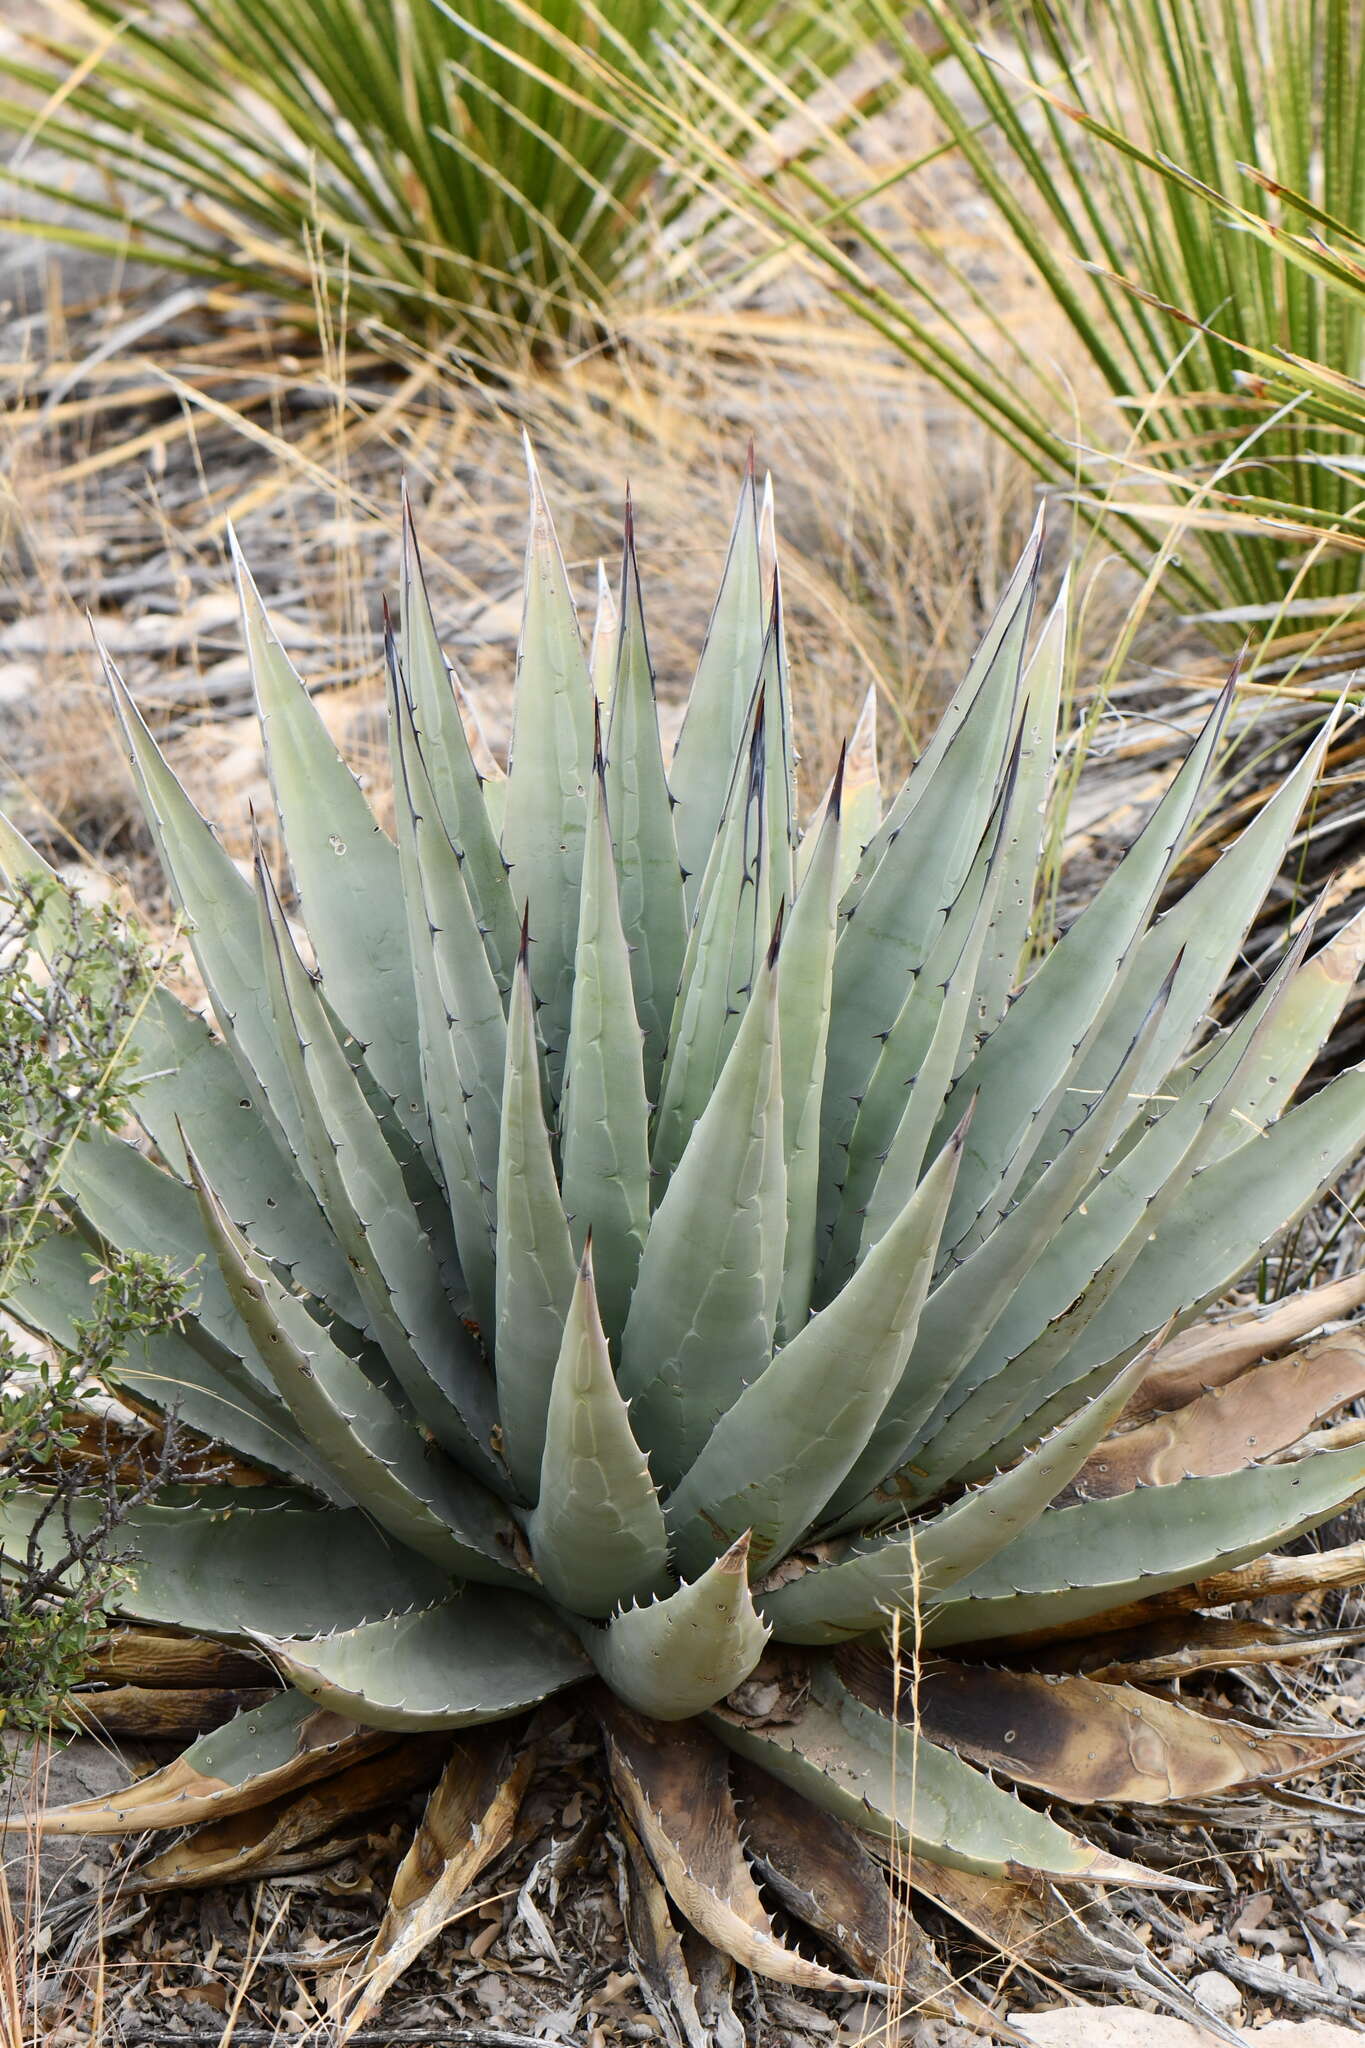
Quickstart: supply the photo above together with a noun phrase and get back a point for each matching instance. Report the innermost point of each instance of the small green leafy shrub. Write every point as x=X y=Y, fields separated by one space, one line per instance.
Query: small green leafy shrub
x=62 y=1035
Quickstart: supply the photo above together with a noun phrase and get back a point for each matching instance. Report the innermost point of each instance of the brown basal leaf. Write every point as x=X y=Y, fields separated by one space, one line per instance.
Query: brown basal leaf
x=1189 y=1643
x=825 y=1873
x=656 y=1948
x=178 y=1795
x=160 y=1712
x=271 y=1839
x=144 y=1656
x=1213 y=1353
x=469 y=1820
x=1263 y=1411
x=673 y=1779
x=1087 y=1742
x=1265 y=1578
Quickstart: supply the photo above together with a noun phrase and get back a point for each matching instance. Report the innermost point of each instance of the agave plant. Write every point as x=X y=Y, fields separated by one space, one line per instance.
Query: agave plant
x=651 y=1249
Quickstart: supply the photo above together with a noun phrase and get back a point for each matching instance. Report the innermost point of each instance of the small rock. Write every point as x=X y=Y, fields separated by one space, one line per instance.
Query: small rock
x=1217 y=1994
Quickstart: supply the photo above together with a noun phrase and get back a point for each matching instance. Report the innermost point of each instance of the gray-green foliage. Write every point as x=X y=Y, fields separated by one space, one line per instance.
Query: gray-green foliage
x=628 y=1255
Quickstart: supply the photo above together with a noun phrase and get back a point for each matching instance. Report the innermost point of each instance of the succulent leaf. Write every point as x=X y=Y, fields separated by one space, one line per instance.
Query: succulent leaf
x=598 y=1532
x=233 y=1561
x=1077 y=1561
x=459 y=1009
x=548 y=769
x=218 y=1395
x=478 y=1656
x=457 y=784
x=1021 y=1072
x=604 y=1113
x=263 y=1754
x=641 y=813
x=678 y=1655
x=345 y=869
x=863 y=1766
x=856 y=1585
x=734 y=916
x=777 y=1454
x=536 y=1264
x=388 y=1469
x=704 y=1312
x=803 y=1014
x=360 y=1189
x=722 y=691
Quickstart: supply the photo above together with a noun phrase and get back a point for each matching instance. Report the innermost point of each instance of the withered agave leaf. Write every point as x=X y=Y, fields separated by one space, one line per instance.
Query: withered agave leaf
x=1212 y=1353
x=825 y=1873
x=1184 y=1644
x=274 y=1749
x=468 y=1822
x=1037 y=1926
x=1086 y=1742
x=267 y=1841
x=832 y=1747
x=674 y=1783
x=1267 y=1409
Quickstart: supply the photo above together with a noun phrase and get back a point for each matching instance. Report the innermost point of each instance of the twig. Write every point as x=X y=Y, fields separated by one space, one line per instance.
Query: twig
x=141 y=2034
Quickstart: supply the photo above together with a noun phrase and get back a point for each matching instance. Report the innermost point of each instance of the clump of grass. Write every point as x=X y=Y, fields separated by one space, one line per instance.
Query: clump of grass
x=443 y=170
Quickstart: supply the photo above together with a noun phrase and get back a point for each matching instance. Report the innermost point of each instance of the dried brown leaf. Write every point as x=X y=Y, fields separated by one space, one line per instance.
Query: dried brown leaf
x=1195 y=1642
x=1087 y=1742
x=273 y=1838
x=825 y=1873
x=470 y=1819
x=161 y=1712
x=144 y=1656
x=1213 y=1353
x=178 y=1795
x=674 y=1782
x=1262 y=1411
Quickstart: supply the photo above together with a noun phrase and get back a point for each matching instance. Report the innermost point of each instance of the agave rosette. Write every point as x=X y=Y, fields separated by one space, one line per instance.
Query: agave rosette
x=646 y=1244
